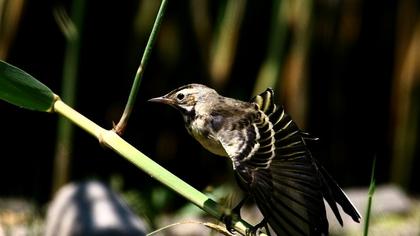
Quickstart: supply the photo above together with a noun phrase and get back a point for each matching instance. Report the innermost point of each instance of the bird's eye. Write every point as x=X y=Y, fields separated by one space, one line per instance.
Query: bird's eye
x=180 y=96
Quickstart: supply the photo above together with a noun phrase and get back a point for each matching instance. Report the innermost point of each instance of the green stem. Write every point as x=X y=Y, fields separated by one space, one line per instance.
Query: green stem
x=372 y=187
x=120 y=127
x=112 y=140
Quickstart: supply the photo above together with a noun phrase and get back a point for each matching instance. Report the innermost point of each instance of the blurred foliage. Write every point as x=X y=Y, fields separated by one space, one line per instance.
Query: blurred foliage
x=10 y=14
x=20 y=217
x=71 y=27
x=345 y=70
x=404 y=97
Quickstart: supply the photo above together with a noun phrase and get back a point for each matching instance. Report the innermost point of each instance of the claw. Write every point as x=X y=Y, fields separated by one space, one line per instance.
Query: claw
x=228 y=215
x=235 y=213
x=257 y=229
x=227 y=219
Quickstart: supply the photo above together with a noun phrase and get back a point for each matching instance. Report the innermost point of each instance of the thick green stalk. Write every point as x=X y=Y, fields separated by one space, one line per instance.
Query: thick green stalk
x=120 y=127
x=112 y=140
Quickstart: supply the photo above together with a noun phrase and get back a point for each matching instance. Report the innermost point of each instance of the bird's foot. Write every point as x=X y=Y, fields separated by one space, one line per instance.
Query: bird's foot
x=228 y=218
x=229 y=215
x=257 y=229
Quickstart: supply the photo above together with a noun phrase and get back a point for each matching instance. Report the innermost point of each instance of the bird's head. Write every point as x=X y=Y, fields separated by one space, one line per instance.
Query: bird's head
x=187 y=98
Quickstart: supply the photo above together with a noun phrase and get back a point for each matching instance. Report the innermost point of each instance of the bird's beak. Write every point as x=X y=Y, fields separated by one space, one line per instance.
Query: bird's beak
x=163 y=100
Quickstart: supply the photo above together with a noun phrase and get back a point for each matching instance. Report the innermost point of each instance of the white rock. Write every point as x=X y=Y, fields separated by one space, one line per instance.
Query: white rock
x=90 y=208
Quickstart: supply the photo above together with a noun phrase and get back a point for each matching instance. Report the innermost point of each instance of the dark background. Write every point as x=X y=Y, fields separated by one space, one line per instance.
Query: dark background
x=356 y=53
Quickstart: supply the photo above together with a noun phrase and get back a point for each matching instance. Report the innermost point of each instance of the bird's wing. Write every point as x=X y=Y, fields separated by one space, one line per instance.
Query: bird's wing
x=273 y=164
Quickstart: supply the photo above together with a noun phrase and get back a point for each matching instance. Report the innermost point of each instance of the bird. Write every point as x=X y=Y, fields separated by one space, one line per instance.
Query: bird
x=270 y=158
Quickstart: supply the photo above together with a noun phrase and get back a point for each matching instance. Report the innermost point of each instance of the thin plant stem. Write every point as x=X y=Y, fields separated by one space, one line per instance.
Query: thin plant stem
x=212 y=226
x=372 y=187
x=120 y=127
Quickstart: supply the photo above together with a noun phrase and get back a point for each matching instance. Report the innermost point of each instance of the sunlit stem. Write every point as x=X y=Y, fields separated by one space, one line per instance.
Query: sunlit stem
x=120 y=127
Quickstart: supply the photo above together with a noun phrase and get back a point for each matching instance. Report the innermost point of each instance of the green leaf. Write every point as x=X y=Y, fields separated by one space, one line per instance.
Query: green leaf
x=21 y=89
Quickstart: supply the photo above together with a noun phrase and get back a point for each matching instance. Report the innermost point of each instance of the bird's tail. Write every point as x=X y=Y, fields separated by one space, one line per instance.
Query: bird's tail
x=333 y=194
x=290 y=198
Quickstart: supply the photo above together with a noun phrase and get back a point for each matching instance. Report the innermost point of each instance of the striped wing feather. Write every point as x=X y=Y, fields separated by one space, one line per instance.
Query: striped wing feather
x=276 y=168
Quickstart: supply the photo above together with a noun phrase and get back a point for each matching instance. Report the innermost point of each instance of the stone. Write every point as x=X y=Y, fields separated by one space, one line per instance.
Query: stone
x=90 y=208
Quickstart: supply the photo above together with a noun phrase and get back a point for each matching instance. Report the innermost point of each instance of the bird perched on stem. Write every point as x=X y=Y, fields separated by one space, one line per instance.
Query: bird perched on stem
x=270 y=158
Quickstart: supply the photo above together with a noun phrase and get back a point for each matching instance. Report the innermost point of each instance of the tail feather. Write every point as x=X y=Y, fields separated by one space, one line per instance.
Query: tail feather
x=292 y=203
x=281 y=218
x=333 y=194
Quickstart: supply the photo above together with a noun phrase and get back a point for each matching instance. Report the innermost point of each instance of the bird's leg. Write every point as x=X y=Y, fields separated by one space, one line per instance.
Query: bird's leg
x=237 y=209
x=228 y=215
x=256 y=229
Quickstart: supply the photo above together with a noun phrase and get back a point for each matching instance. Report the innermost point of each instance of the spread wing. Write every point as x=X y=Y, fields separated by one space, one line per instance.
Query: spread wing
x=273 y=164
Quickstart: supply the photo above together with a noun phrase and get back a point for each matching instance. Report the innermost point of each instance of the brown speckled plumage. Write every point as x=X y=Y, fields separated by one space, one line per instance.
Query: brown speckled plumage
x=269 y=156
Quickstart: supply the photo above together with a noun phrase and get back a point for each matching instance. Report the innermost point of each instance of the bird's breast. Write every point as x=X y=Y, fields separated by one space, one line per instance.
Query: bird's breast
x=200 y=129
